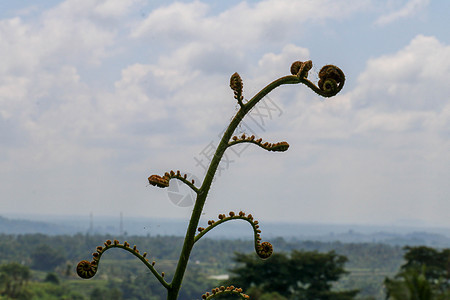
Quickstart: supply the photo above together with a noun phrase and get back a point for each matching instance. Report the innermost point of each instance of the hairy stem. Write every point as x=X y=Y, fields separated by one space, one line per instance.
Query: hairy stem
x=206 y=185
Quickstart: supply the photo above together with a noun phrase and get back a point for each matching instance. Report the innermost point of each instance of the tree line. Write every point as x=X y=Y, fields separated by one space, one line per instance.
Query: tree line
x=39 y=264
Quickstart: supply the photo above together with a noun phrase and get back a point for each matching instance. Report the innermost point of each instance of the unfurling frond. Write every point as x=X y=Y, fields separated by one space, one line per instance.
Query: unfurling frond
x=229 y=290
x=275 y=147
x=163 y=181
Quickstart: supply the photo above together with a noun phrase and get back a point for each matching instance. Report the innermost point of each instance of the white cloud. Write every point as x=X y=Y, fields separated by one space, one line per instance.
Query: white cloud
x=409 y=9
x=397 y=93
x=43 y=97
x=272 y=63
x=384 y=144
x=74 y=32
x=166 y=103
x=411 y=79
x=113 y=8
x=244 y=25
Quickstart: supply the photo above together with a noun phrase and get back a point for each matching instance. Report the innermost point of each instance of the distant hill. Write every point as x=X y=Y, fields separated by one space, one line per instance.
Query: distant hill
x=346 y=233
x=413 y=238
x=19 y=226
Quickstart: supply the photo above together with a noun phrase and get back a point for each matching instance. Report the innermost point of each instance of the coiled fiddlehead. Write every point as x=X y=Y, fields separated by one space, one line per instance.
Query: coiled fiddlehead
x=163 y=181
x=237 y=86
x=301 y=69
x=87 y=269
x=331 y=78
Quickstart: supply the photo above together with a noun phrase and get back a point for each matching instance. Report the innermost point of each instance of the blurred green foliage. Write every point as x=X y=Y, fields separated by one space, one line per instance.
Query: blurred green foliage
x=424 y=276
x=122 y=274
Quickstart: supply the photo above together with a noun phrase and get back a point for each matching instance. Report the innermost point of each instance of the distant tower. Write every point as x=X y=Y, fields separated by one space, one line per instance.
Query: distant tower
x=121 y=224
x=91 y=222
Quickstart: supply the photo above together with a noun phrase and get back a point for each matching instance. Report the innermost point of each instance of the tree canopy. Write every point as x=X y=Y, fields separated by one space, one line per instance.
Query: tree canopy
x=300 y=275
x=424 y=276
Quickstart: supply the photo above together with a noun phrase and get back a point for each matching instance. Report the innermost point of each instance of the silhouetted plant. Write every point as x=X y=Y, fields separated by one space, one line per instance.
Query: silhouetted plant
x=331 y=81
x=299 y=275
x=425 y=275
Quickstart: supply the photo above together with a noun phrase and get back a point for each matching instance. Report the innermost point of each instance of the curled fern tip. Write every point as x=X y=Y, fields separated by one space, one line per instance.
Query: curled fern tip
x=331 y=79
x=159 y=181
x=86 y=269
x=265 y=250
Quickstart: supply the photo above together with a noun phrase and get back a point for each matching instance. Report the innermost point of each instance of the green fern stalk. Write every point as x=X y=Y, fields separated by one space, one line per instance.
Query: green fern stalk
x=331 y=81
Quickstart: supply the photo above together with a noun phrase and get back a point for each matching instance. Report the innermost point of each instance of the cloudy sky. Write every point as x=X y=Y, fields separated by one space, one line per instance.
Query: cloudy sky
x=97 y=95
